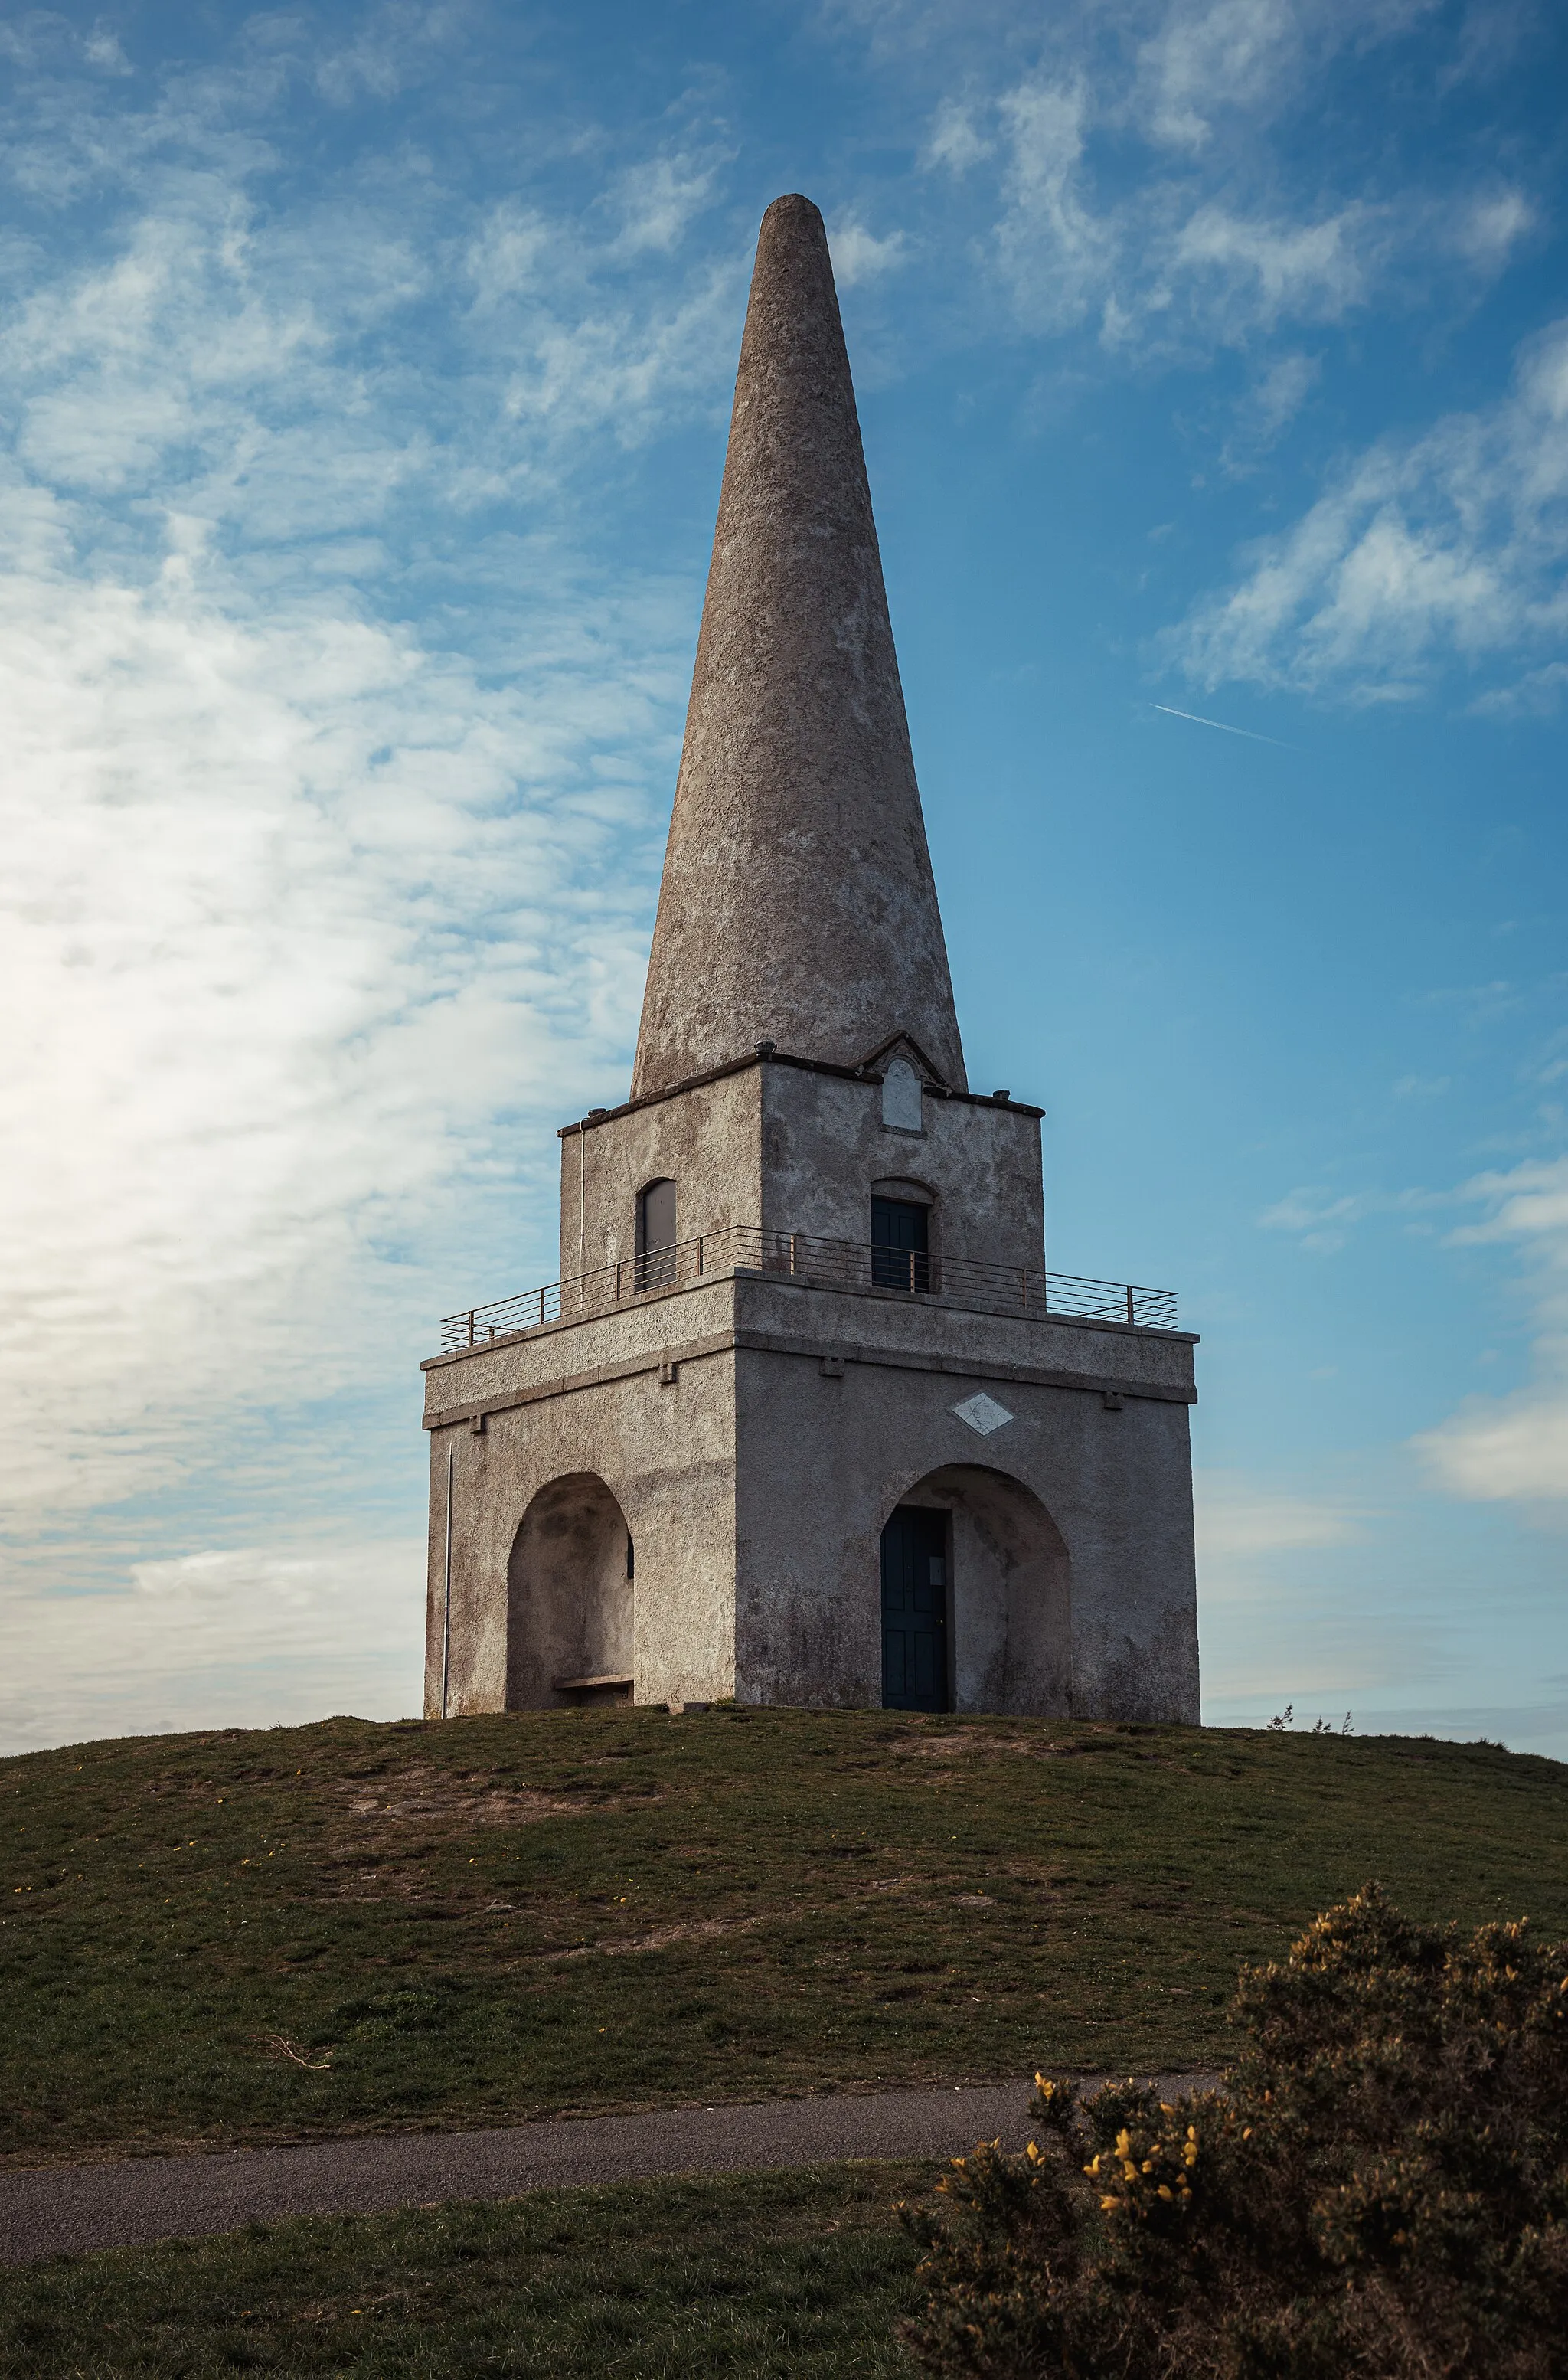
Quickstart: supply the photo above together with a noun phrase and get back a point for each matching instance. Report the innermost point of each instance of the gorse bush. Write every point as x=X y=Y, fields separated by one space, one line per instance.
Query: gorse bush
x=1380 y=2186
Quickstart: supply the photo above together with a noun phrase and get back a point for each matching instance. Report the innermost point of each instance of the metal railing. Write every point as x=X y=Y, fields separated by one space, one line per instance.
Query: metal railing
x=816 y=1264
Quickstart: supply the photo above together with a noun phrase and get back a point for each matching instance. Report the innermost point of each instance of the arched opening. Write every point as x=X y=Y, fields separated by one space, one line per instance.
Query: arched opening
x=569 y=1596
x=976 y=1598
x=655 y=1236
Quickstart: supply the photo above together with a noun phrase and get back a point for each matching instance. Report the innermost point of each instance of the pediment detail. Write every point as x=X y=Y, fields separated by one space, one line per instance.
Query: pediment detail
x=904 y=1045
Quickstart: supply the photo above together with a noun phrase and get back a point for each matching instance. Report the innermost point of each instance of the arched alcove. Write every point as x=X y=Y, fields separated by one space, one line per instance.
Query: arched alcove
x=1008 y=1580
x=569 y=1598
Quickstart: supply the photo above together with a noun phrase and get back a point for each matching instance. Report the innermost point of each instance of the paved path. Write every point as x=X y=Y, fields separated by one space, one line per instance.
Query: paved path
x=66 y=2210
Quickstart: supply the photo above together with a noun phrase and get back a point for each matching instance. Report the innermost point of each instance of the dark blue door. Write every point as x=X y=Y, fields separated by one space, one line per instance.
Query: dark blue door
x=900 y=1244
x=915 y=1610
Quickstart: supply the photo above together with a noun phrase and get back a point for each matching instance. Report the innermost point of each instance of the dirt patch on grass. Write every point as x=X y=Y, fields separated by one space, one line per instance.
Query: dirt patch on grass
x=971 y=1745
x=423 y=1797
x=661 y=1938
x=380 y=1836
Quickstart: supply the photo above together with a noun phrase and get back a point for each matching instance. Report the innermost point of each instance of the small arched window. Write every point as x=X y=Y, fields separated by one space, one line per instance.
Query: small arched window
x=902 y=1108
x=656 y=1257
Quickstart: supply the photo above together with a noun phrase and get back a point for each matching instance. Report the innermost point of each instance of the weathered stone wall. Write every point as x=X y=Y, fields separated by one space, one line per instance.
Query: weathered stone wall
x=824 y=1145
x=707 y=1140
x=797 y=902
x=796 y=1149
x=756 y=1483
x=666 y=1457
x=1109 y=1631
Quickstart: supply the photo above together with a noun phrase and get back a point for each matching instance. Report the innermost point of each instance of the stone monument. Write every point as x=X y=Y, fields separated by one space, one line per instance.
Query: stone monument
x=805 y=1419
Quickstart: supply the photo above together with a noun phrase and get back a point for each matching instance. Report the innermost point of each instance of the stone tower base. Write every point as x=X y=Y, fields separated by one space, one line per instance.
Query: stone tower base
x=683 y=1500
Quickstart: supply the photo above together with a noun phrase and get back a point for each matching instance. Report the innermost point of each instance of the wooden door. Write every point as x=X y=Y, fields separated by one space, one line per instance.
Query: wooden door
x=915 y=1610
x=900 y=1244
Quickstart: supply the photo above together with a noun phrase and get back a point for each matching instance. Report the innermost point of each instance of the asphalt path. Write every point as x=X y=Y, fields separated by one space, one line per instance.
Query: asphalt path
x=69 y=2210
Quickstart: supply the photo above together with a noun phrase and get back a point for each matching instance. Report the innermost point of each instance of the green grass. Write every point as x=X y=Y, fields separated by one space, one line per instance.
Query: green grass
x=799 y=2275
x=250 y=1935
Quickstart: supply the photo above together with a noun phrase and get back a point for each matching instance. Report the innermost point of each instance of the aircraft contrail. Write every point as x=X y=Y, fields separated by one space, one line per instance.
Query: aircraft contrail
x=1219 y=723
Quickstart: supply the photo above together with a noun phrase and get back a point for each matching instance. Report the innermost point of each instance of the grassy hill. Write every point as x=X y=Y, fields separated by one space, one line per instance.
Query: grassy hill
x=262 y=1935
x=795 y=2276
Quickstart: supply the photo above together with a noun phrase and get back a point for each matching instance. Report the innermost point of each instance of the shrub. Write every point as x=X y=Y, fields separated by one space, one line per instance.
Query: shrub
x=1379 y=2187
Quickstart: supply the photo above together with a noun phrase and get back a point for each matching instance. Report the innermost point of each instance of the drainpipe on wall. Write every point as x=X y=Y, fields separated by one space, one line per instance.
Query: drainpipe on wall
x=446 y=1595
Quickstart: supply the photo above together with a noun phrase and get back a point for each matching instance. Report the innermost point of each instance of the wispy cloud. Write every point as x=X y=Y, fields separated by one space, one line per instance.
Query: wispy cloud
x=220 y=1638
x=1240 y=1518
x=859 y=255
x=1203 y=242
x=1448 y=549
x=335 y=755
x=1514 y=1449
x=1284 y=1611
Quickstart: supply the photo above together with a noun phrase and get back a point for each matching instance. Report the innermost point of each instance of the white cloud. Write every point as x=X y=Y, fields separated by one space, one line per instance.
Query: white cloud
x=322 y=721
x=1514 y=1449
x=509 y=251
x=1498 y=1449
x=395 y=42
x=296 y=909
x=1272 y=403
x=1137 y=192
x=954 y=141
x=658 y=199
x=1237 y=1519
x=1228 y=53
x=1054 y=251
x=1493 y=224
x=1322 y=1220
x=1213 y=59
x=583 y=371
x=1449 y=547
x=1260 y=270
x=102 y=49
x=1284 y=1611
x=1537 y=694
x=251 y=1637
x=859 y=255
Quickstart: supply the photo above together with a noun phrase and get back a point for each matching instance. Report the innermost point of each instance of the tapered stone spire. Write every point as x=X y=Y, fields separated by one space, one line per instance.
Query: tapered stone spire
x=798 y=903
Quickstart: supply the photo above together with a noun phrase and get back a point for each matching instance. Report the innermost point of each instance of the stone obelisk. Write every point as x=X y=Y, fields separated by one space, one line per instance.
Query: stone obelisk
x=798 y=903
x=805 y=1420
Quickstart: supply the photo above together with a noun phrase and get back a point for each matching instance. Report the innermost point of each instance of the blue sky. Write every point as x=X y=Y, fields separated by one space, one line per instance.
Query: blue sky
x=365 y=378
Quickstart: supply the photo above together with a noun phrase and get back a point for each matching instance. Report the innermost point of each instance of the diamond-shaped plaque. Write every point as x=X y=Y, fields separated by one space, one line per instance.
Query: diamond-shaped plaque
x=983 y=1414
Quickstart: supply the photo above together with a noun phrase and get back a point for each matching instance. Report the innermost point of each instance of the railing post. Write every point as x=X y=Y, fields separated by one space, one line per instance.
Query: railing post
x=470 y=1326
x=541 y=1305
x=699 y=1252
x=1024 y=1287
x=1129 y=1302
